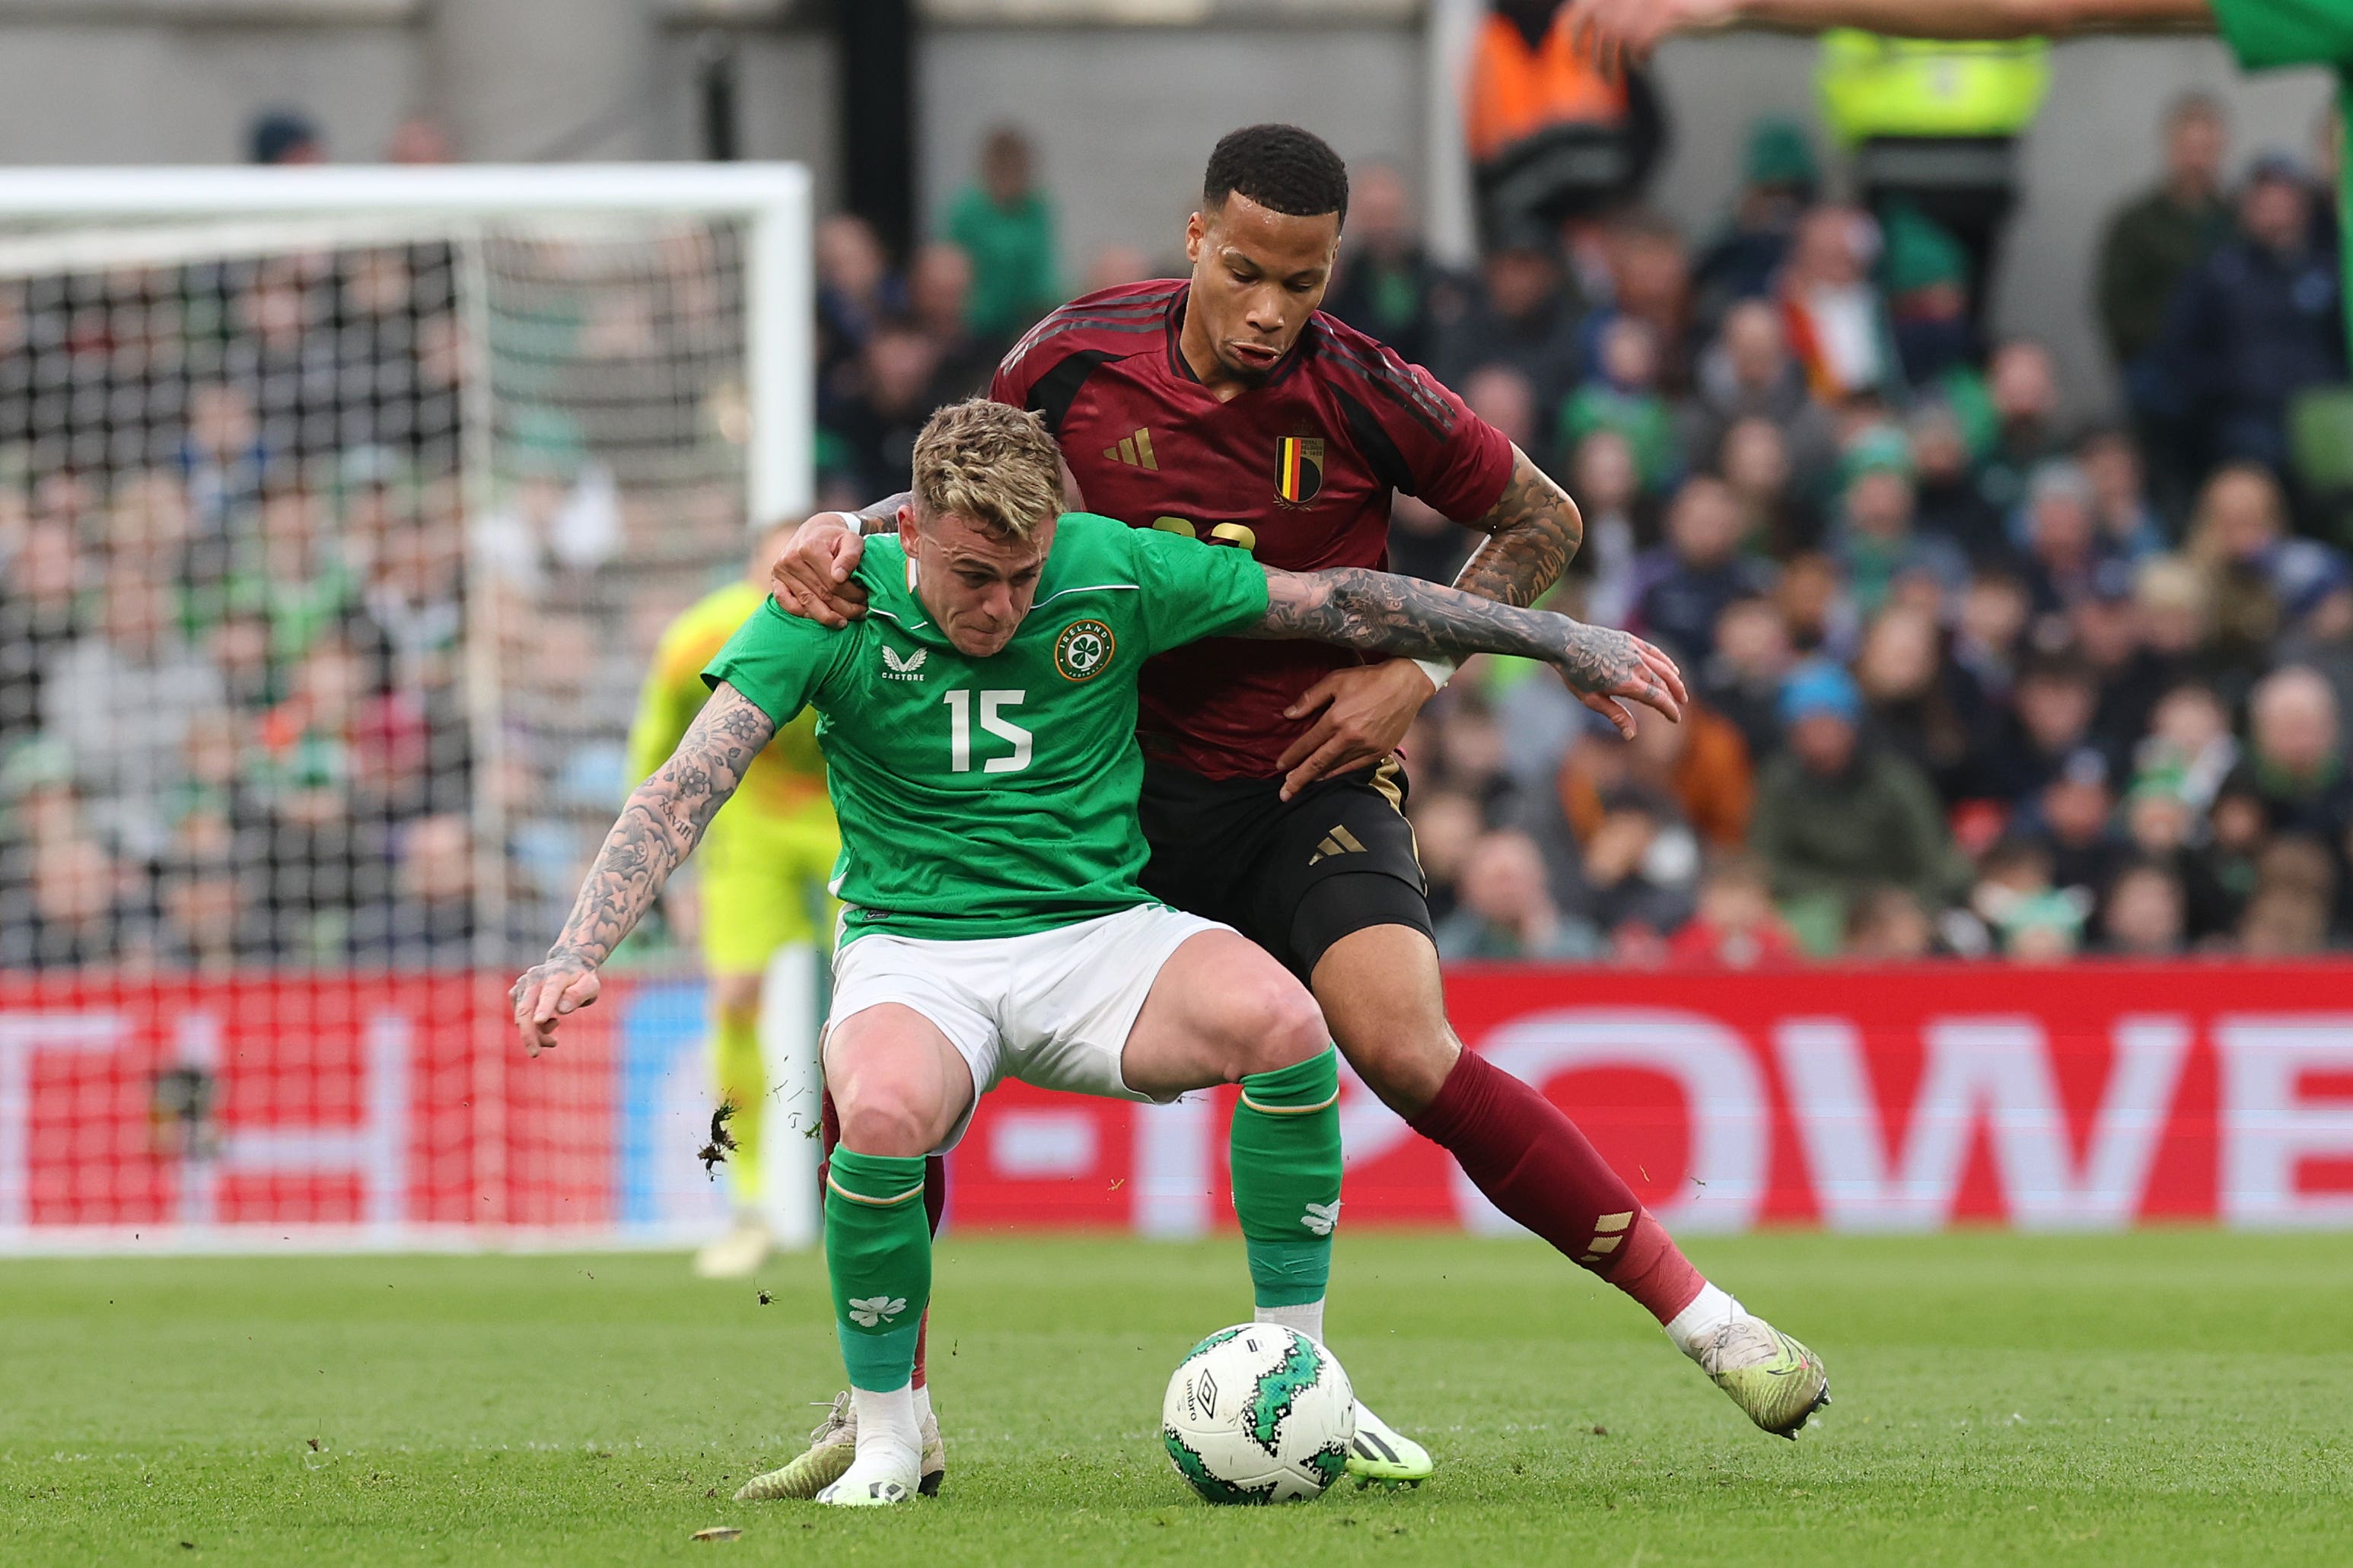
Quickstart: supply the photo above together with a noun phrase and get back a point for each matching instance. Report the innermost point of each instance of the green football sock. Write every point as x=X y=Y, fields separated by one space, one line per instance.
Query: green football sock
x=742 y=1083
x=1285 y=1146
x=878 y=1250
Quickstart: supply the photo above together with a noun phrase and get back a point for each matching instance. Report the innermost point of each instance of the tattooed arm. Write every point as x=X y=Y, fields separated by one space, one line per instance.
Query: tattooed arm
x=658 y=828
x=1532 y=531
x=1375 y=612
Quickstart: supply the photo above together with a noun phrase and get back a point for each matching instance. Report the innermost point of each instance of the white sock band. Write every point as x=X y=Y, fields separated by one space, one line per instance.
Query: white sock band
x=1710 y=1311
x=1307 y=1318
x=887 y=1420
x=922 y=1406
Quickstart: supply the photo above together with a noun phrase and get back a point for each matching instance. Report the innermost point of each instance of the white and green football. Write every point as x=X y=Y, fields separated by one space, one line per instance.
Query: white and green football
x=1258 y=1413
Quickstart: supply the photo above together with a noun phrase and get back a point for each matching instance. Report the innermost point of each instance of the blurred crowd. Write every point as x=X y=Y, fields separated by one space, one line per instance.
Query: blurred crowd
x=1971 y=677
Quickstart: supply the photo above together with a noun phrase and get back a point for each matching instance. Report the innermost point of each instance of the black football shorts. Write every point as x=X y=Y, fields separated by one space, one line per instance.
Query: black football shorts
x=1293 y=875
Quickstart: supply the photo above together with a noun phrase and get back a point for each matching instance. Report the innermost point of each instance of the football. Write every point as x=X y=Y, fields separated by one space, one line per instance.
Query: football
x=1258 y=1413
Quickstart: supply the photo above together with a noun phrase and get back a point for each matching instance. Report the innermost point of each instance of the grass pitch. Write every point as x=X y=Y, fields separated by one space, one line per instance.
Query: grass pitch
x=2153 y=1398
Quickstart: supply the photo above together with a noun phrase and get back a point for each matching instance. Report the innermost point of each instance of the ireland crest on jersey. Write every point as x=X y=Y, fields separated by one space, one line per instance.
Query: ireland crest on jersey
x=1083 y=650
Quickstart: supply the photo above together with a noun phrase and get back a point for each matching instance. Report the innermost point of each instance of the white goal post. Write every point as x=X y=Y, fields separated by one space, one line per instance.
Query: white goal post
x=365 y=493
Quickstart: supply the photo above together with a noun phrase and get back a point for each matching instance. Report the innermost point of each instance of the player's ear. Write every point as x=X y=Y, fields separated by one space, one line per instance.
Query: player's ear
x=1196 y=228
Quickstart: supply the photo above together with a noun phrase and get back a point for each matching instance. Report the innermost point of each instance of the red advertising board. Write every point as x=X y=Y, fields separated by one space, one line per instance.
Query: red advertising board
x=2087 y=1095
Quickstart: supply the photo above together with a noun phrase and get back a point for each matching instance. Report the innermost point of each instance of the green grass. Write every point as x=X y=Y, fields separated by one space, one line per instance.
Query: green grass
x=2162 y=1397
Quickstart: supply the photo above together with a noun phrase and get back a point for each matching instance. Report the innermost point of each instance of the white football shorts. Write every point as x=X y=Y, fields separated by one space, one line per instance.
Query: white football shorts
x=1052 y=1008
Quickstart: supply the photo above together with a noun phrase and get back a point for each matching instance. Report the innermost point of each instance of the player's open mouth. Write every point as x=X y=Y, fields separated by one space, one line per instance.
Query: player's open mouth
x=1258 y=356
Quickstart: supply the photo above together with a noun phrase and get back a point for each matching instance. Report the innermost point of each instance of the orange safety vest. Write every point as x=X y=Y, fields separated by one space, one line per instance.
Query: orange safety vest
x=1515 y=91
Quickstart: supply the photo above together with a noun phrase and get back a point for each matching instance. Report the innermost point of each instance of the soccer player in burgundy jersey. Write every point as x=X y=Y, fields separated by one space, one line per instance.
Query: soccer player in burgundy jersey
x=1227 y=407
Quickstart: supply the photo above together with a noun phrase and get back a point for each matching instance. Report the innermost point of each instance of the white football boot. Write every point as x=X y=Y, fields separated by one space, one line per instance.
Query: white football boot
x=1383 y=1456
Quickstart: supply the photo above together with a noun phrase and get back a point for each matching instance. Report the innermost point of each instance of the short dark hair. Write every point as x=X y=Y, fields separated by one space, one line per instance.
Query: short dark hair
x=1278 y=166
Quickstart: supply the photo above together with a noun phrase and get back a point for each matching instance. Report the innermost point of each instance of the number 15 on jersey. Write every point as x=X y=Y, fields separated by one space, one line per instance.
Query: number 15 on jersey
x=992 y=703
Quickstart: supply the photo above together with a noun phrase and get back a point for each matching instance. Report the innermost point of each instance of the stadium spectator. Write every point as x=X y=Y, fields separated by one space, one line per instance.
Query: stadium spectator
x=2061 y=550
x=1838 y=813
x=1635 y=876
x=211 y=922
x=1681 y=587
x=282 y=136
x=2128 y=524
x=939 y=295
x=77 y=911
x=1736 y=925
x=876 y=421
x=1833 y=313
x=2021 y=385
x=855 y=292
x=2151 y=242
x=1524 y=314
x=1876 y=542
x=1742 y=674
x=2259 y=321
x=1926 y=275
x=120 y=699
x=2144 y=913
x=1446 y=825
x=1749 y=373
x=1947 y=499
x=2260 y=578
x=1618 y=522
x=1004 y=222
x=1888 y=925
x=1388 y=285
x=1778 y=515
x=2071 y=818
x=1923 y=705
x=2051 y=710
x=1779 y=177
x=1505 y=911
x=420 y=139
x=1700 y=765
x=42 y=585
x=1623 y=394
x=2294 y=760
x=2321 y=640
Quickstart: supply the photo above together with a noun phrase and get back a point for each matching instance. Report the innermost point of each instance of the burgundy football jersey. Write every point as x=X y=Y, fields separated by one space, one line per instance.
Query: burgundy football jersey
x=1298 y=470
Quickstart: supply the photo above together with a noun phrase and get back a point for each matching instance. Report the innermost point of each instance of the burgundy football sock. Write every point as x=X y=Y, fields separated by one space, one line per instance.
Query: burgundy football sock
x=935 y=1201
x=1535 y=1165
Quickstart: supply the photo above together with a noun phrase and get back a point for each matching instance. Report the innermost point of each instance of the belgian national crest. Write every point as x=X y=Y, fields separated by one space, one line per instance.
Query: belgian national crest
x=1298 y=469
x=1082 y=650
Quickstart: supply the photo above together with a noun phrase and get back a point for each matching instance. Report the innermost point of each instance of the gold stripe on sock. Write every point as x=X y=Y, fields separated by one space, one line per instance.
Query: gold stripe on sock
x=1606 y=1243
x=914 y=1192
x=1291 y=1110
x=1614 y=1221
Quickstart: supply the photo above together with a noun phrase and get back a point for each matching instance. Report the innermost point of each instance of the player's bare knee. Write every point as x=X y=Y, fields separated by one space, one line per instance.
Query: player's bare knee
x=1403 y=1061
x=1276 y=1025
x=884 y=1119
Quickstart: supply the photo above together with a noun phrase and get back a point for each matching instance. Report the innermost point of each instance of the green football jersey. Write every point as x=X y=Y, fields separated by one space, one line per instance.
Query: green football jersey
x=986 y=797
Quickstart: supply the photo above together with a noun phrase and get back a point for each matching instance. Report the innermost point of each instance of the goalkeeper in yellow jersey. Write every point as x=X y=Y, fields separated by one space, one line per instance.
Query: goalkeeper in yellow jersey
x=765 y=863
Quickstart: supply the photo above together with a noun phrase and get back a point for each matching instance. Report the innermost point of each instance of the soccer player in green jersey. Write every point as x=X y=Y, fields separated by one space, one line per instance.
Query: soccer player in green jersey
x=2263 y=34
x=978 y=724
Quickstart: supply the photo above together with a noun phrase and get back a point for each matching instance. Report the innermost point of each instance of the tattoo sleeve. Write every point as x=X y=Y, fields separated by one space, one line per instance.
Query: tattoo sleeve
x=1532 y=531
x=661 y=822
x=883 y=516
x=1376 y=612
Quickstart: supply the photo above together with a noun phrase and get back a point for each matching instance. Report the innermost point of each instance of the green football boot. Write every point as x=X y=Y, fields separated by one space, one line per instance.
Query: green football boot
x=831 y=1448
x=1382 y=1456
x=1778 y=1381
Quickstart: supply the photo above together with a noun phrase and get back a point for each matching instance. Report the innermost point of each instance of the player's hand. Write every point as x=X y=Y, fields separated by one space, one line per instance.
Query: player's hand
x=812 y=578
x=1608 y=669
x=563 y=984
x=1366 y=709
x=1624 y=32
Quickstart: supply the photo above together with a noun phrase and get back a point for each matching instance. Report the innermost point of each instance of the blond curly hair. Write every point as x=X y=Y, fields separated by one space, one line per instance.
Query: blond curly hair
x=990 y=464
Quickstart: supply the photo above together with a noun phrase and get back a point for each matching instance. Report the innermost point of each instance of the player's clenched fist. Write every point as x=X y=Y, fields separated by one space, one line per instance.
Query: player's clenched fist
x=564 y=982
x=812 y=578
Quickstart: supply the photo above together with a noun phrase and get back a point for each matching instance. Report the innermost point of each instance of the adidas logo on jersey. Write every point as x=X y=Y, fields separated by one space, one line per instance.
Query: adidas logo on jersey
x=1339 y=841
x=1135 y=451
x=908 y=669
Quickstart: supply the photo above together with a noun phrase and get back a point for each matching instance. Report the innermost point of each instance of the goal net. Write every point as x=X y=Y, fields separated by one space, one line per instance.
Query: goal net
x=340 y=510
